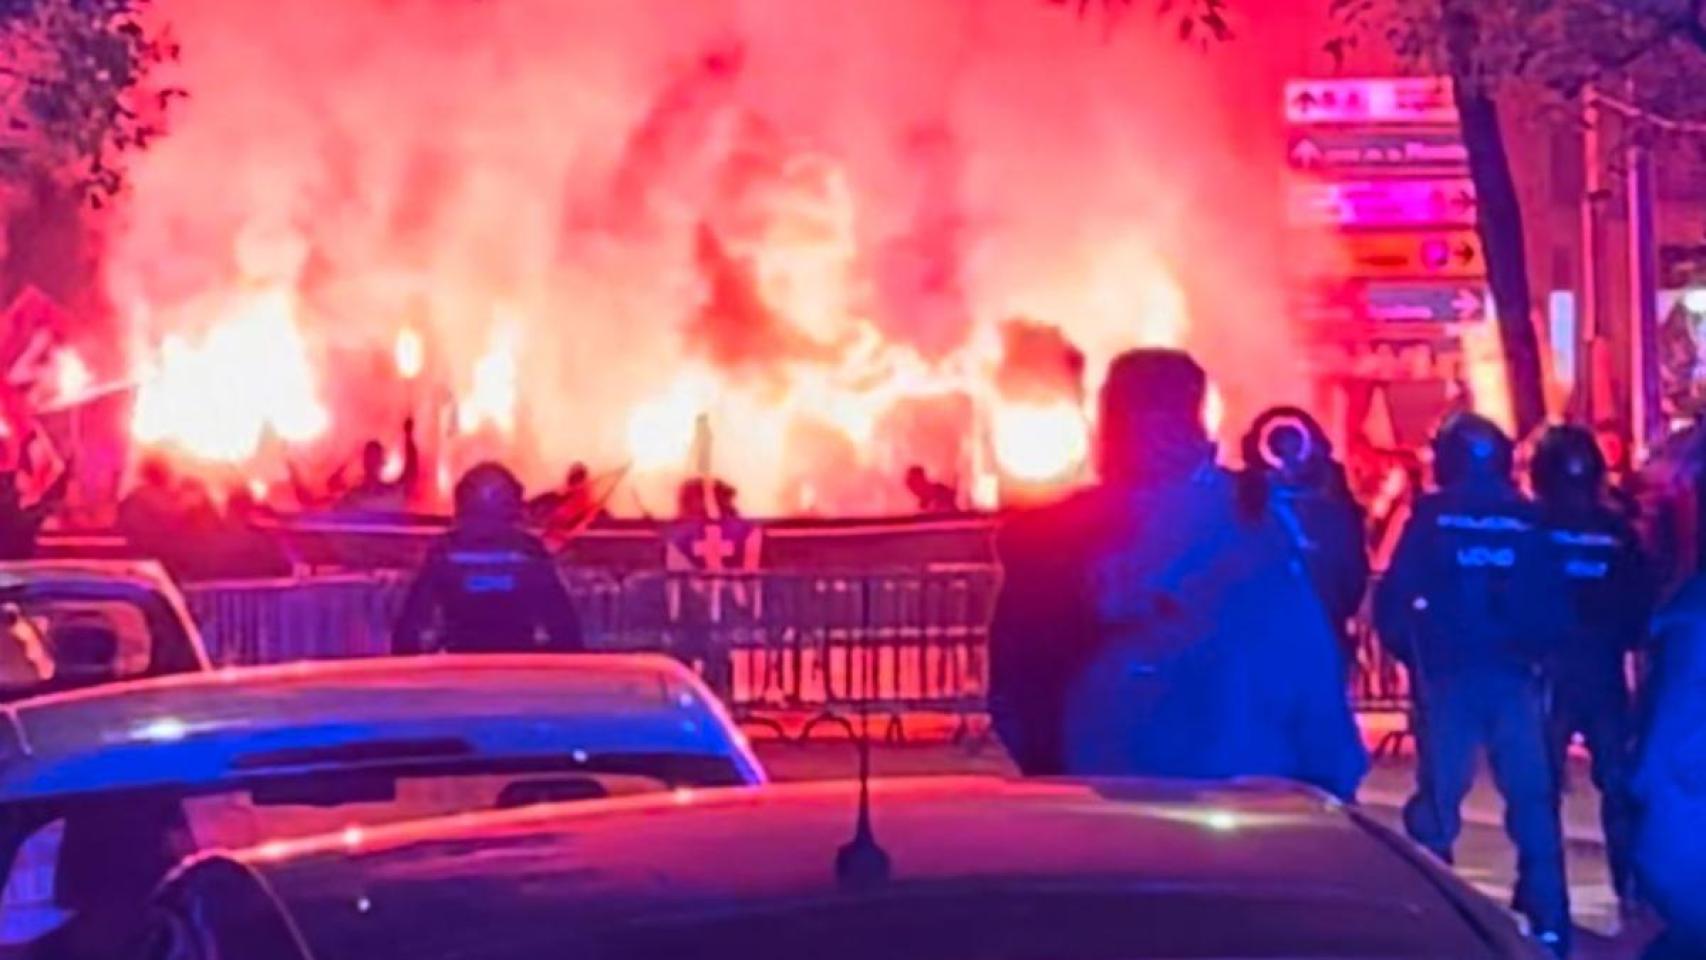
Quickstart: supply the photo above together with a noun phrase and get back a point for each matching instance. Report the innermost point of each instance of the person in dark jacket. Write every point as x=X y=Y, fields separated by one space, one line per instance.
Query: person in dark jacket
x=20 y=525
x=1610 y=599
x=932 y=497
x=371 y=493
x=1467 y=607
x=1146 y=626
x=1290 y=473
x=1670 y=777
x=493 y=584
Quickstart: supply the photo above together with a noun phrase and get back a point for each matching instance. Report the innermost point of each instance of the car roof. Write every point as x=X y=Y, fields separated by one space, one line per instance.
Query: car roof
x=715 y=850
x=135 y=574
x=202 y=729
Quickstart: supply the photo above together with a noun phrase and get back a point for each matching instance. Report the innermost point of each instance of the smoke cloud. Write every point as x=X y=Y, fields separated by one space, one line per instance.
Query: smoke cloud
x=807 y=221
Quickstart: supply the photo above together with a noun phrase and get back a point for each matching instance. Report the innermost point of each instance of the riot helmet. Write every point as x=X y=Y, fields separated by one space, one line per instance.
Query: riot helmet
x=1567 y=464
x=488 y=494
x=1468 y=448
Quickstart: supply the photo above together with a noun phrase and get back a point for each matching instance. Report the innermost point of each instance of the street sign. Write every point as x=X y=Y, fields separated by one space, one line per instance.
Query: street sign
x=1426 y=303
x=1385 y=203
x=1374 y=151
x=1447 y=253
x=1386 y=303
x=1370 y=100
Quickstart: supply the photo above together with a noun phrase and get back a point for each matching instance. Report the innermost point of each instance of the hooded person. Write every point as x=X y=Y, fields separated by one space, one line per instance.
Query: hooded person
x=20 y=524
x=1148 y=626
x=1290 y=474
x=494 y=586
x=1469 y=604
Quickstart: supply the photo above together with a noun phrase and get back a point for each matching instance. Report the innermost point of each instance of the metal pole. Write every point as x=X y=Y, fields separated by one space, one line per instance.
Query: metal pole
x=1588 y=333
x=1646 y=412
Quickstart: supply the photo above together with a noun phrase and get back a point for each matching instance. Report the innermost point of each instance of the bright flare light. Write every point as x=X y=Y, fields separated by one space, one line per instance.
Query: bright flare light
x=491 y=396
x=1213 y=410
x=71 y=375
x=410 y=353
x=1037 y=443
x=1694 y=301
x=250 y=374
x=661 y=432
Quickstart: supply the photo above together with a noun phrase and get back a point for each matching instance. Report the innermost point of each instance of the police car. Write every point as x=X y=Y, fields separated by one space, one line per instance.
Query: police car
x=103 y=790
x=943 y=869
x=67 y=625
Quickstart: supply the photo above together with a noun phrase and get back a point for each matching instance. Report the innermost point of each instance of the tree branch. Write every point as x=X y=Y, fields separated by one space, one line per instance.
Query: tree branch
x=1658 y=122
x=1696 y=27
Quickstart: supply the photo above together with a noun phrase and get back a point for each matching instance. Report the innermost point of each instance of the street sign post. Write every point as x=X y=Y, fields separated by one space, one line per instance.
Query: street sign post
x=1370 y=100
x=1383 y=303
x=1452 y=303
x=1381 y=163
x=1433 y=254
x=1385 y=203
x=1362 y=151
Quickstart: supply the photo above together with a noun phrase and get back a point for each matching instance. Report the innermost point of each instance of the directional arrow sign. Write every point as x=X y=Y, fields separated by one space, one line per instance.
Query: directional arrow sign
x=1373 y=100
x=1448 y=253
x=1385 y=203
x=1426 y=303
x=1333 y=150
x=1386 y=303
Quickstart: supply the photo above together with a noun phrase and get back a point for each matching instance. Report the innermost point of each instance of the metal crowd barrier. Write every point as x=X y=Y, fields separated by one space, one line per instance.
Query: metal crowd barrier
x=336 y=617
x=824 y=646
x=827 y=645
x=277 y=621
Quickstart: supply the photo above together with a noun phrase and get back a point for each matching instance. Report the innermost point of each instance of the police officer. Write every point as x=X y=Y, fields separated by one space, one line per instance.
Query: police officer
x=1610 y=597
x=1290 y=474
x=493 y=584
x=1465 y=606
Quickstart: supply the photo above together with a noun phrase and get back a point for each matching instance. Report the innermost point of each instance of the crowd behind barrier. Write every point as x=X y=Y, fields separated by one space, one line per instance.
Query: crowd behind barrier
x=823 y=644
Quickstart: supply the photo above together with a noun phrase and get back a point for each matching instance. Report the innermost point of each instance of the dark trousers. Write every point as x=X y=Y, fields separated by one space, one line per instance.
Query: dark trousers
x=1501 y=711
x=1597 y=707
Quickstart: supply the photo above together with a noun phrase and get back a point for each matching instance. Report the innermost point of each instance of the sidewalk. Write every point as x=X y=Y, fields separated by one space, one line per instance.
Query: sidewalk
x=1390 y=782
x=927 y=750
x=1392 y=779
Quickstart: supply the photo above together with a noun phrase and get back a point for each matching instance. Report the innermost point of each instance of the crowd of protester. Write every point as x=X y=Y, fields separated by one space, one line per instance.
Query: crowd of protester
x=1180 y=619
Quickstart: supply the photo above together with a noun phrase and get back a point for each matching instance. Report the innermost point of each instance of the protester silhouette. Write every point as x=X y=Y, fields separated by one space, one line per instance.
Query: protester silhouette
x=1149 y=626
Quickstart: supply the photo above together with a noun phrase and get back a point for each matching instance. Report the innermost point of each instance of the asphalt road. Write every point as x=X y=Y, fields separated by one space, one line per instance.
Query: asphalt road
x=1484 y=856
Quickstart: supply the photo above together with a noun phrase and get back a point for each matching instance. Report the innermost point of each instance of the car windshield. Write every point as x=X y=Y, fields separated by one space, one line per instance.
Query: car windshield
x=54 y=641
x=969 y=920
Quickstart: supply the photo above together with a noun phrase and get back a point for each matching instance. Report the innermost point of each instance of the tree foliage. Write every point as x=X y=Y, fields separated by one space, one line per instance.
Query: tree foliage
x=1649 y=54
x=74 y=92
x=1195 y=20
